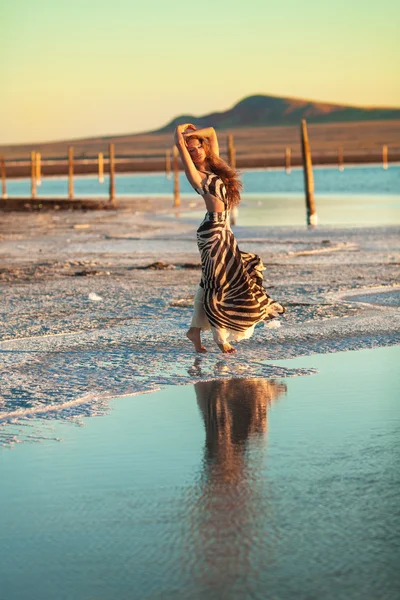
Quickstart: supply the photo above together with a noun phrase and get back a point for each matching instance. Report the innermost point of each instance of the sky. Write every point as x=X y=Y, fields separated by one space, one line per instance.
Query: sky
x=83 y=68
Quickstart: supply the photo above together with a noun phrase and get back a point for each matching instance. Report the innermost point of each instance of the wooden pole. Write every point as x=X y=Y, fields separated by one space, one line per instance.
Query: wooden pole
x=168 y=164
x=111 y=153
x=385 y=157
x=101 y=167
x=233 y=215
x=231 y=152
x=177 y=199
x=288 y=153
x=312 y=218
x=340 y=159
x=3 y=178
x=38 y=168
x=33 y=175
x=71 y=172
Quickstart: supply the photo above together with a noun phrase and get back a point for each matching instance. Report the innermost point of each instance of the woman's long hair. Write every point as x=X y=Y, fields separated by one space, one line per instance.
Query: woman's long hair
x=229 y=176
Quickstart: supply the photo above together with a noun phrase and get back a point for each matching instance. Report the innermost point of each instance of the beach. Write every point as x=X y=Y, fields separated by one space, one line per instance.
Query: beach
x=131 y=466
x=143 y=470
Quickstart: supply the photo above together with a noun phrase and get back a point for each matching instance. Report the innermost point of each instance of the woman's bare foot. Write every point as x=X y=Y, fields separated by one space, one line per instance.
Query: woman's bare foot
x=194 y=336
x=227 y=348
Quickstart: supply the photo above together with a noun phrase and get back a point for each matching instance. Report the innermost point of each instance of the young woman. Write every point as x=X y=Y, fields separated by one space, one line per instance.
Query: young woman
x=231 y=299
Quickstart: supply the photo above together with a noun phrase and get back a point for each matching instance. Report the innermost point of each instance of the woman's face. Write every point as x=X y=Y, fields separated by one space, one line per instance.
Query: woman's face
x=196 y=150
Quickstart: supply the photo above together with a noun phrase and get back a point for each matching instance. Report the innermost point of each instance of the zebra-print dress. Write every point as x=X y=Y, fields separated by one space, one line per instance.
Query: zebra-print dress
x=234 y=297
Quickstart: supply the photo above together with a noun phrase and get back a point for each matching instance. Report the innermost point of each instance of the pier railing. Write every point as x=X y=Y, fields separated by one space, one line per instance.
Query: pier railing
x=289 y=157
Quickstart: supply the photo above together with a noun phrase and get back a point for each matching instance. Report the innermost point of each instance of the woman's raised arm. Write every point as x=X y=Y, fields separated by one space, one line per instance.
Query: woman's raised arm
x=209 y=134
x=191 y=172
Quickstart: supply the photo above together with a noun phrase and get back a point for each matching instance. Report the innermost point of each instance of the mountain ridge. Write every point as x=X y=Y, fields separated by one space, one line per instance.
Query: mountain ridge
x=261 y=110
x=252 y=113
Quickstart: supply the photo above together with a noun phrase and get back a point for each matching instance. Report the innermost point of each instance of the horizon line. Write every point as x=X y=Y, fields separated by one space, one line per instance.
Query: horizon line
x=148 y=132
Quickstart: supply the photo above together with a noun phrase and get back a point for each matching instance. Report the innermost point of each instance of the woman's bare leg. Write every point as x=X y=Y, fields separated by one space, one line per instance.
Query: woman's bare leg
x=194 y=336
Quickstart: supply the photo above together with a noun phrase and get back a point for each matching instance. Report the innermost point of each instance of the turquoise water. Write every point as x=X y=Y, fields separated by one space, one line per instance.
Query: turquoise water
x=226 y=489
x=358 y=196
x=359 y=180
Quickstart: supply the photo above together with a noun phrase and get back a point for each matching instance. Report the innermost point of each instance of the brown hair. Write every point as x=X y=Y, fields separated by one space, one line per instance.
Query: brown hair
x=229 y=176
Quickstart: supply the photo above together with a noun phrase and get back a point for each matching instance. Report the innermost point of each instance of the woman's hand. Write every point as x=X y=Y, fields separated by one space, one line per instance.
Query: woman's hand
x=187 y=126
x=183 y=129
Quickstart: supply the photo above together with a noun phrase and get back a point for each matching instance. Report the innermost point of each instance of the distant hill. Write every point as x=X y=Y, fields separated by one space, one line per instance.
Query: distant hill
x=333 y=126
x=262 y=111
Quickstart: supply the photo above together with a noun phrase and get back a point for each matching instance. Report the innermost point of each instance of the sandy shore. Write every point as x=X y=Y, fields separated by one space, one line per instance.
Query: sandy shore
x=97 y=304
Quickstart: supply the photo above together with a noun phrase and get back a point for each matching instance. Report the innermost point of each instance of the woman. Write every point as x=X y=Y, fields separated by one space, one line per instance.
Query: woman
x=231 y=299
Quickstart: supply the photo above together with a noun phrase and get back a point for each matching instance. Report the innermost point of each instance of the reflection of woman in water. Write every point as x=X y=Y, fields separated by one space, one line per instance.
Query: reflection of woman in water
x=234 y=413
x=231 y=299
x=231 y=503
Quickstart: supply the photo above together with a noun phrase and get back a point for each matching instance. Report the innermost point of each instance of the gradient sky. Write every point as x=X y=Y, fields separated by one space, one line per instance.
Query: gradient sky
x=96 y=67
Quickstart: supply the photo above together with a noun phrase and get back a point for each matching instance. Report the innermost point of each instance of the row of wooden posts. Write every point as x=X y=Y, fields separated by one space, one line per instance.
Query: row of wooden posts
x=306 y=156
x=36 y=175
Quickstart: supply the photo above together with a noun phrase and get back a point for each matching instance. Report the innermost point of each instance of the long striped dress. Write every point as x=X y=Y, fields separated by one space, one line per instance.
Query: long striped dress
x=234 y=297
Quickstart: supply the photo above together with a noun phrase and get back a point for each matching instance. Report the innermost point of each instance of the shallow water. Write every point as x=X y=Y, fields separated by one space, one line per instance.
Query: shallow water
x=360 y=195
x=377 y=296
x=332 y=210
x=283 y=488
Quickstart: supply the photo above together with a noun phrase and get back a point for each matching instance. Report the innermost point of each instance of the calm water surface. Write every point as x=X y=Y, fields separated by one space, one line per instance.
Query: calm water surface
x=226 y=489
x=360 y=195
x=362 y=180
x=332 y=210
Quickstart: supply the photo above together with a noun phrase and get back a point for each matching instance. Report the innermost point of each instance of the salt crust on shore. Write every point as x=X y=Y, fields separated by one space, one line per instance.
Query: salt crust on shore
x=64 y=355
